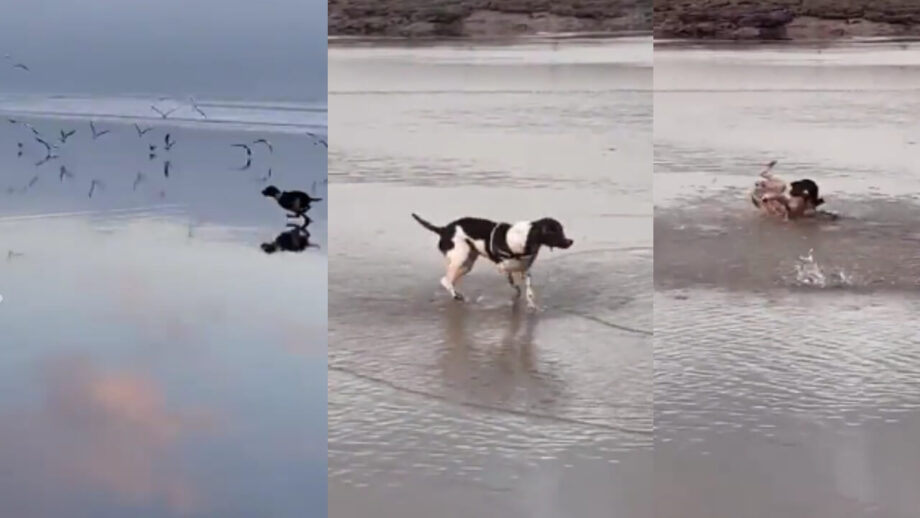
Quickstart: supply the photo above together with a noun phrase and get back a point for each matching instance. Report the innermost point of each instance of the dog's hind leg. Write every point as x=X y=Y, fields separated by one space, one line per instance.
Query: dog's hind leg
x=460 y=260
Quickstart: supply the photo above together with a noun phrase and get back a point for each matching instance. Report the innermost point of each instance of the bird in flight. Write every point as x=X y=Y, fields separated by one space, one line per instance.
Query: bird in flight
x=66 y=135
x=167 y=165
x=48 y=147
x=92 y=187
x=197 y=108
x=318 y=140
x=168 y=144
x=47 y=158
x=138 y=179
x=21 y=67
x=248 y=154
x=32 y=129
x=141 y=131
x=267 y=143
x=162 y=113
x=96 y=133
x=32 y=182
x=64 y=173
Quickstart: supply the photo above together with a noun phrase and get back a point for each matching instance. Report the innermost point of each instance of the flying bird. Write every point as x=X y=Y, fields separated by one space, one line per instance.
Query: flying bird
x=167 y=165
x=19 y=148
x=96 y=133
x=65 y=173
x=162 y=113
x=66 y=135
x=21 y=67
x=32 y=182
x=43 y=160
x=244 y=146
x=267 y=176
x=267 y=143
x=318 y=140
x=32 y=129
x=138 y=179
x=248 y=155
x=168 y=144
x=48 y=147
x=92 y=187
x=141 y=131
x=197 y=108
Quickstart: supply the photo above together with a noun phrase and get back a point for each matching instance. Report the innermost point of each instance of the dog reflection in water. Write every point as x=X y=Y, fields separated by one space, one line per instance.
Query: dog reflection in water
x=296 y=239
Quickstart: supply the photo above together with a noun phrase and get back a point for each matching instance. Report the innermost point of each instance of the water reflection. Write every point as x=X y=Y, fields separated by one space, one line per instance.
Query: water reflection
x=297 y=239
x=137 y=376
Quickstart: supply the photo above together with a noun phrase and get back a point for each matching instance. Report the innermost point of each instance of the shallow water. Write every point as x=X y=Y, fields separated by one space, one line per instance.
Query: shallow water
x=786 y=347
x=155 y=361
x=448 y=409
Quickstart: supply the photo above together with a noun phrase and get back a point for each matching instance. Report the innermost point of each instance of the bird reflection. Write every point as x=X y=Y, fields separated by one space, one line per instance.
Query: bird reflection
x=296 y=239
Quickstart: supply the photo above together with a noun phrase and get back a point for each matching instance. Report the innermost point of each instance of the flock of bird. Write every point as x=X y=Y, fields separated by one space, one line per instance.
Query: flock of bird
x=296 y=202
x=52 y=146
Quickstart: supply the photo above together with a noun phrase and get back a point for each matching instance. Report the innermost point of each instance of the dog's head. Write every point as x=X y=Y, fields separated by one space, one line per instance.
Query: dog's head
x=549 y=232
x=807 y=190
x=271 y=191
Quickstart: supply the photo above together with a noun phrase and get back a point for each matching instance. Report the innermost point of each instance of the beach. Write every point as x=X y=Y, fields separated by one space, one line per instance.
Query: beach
x=785 y=353
x=155 y=361
x=483 y=408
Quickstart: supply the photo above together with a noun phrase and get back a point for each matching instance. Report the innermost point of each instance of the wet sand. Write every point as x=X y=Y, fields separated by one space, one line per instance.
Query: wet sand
x=785 y=354
x=155 y=361
x=438 y=408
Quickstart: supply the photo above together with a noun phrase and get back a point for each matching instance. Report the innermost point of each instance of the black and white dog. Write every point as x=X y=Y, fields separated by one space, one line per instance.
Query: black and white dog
x=513 y=247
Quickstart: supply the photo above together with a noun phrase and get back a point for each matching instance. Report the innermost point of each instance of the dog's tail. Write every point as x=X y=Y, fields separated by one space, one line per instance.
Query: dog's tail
x=312 y=199
x=436 y=229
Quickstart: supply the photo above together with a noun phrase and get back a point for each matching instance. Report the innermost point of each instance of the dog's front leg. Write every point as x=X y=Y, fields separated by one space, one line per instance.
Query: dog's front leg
x=528 y=287
x=511 y=281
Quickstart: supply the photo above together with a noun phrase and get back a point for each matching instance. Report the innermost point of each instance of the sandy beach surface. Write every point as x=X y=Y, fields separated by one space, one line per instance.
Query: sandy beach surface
x=438 y=408
x=786 y=354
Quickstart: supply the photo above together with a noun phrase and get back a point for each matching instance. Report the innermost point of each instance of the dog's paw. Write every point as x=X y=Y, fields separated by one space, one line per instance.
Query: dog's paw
x=459 y=297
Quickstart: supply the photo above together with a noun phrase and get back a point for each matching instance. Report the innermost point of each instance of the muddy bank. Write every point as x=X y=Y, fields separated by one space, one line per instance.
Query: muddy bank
x=485 y=18
x=785 y=19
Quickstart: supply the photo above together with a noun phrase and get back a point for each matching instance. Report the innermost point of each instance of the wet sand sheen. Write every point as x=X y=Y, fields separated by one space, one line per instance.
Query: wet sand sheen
x=786 y=348
x=154 y=363
x=439 y=408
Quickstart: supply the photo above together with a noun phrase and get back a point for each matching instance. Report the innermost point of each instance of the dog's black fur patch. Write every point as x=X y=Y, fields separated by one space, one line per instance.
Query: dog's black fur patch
x=807 y=189
x=545 y=231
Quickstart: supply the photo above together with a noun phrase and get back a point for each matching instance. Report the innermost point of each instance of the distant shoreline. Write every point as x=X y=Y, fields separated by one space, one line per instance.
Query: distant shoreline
x=786 y=20
x=494 y=40
x=485 y=19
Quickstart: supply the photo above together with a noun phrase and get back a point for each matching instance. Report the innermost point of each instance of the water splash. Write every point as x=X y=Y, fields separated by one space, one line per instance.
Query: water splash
x=808 y=272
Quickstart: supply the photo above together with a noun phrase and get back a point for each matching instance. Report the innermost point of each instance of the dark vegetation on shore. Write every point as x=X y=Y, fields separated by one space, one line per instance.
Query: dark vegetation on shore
x=785 y=19
x=690 y=19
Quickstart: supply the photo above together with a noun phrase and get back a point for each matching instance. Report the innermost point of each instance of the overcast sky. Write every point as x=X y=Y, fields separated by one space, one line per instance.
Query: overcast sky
x=258 y=48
